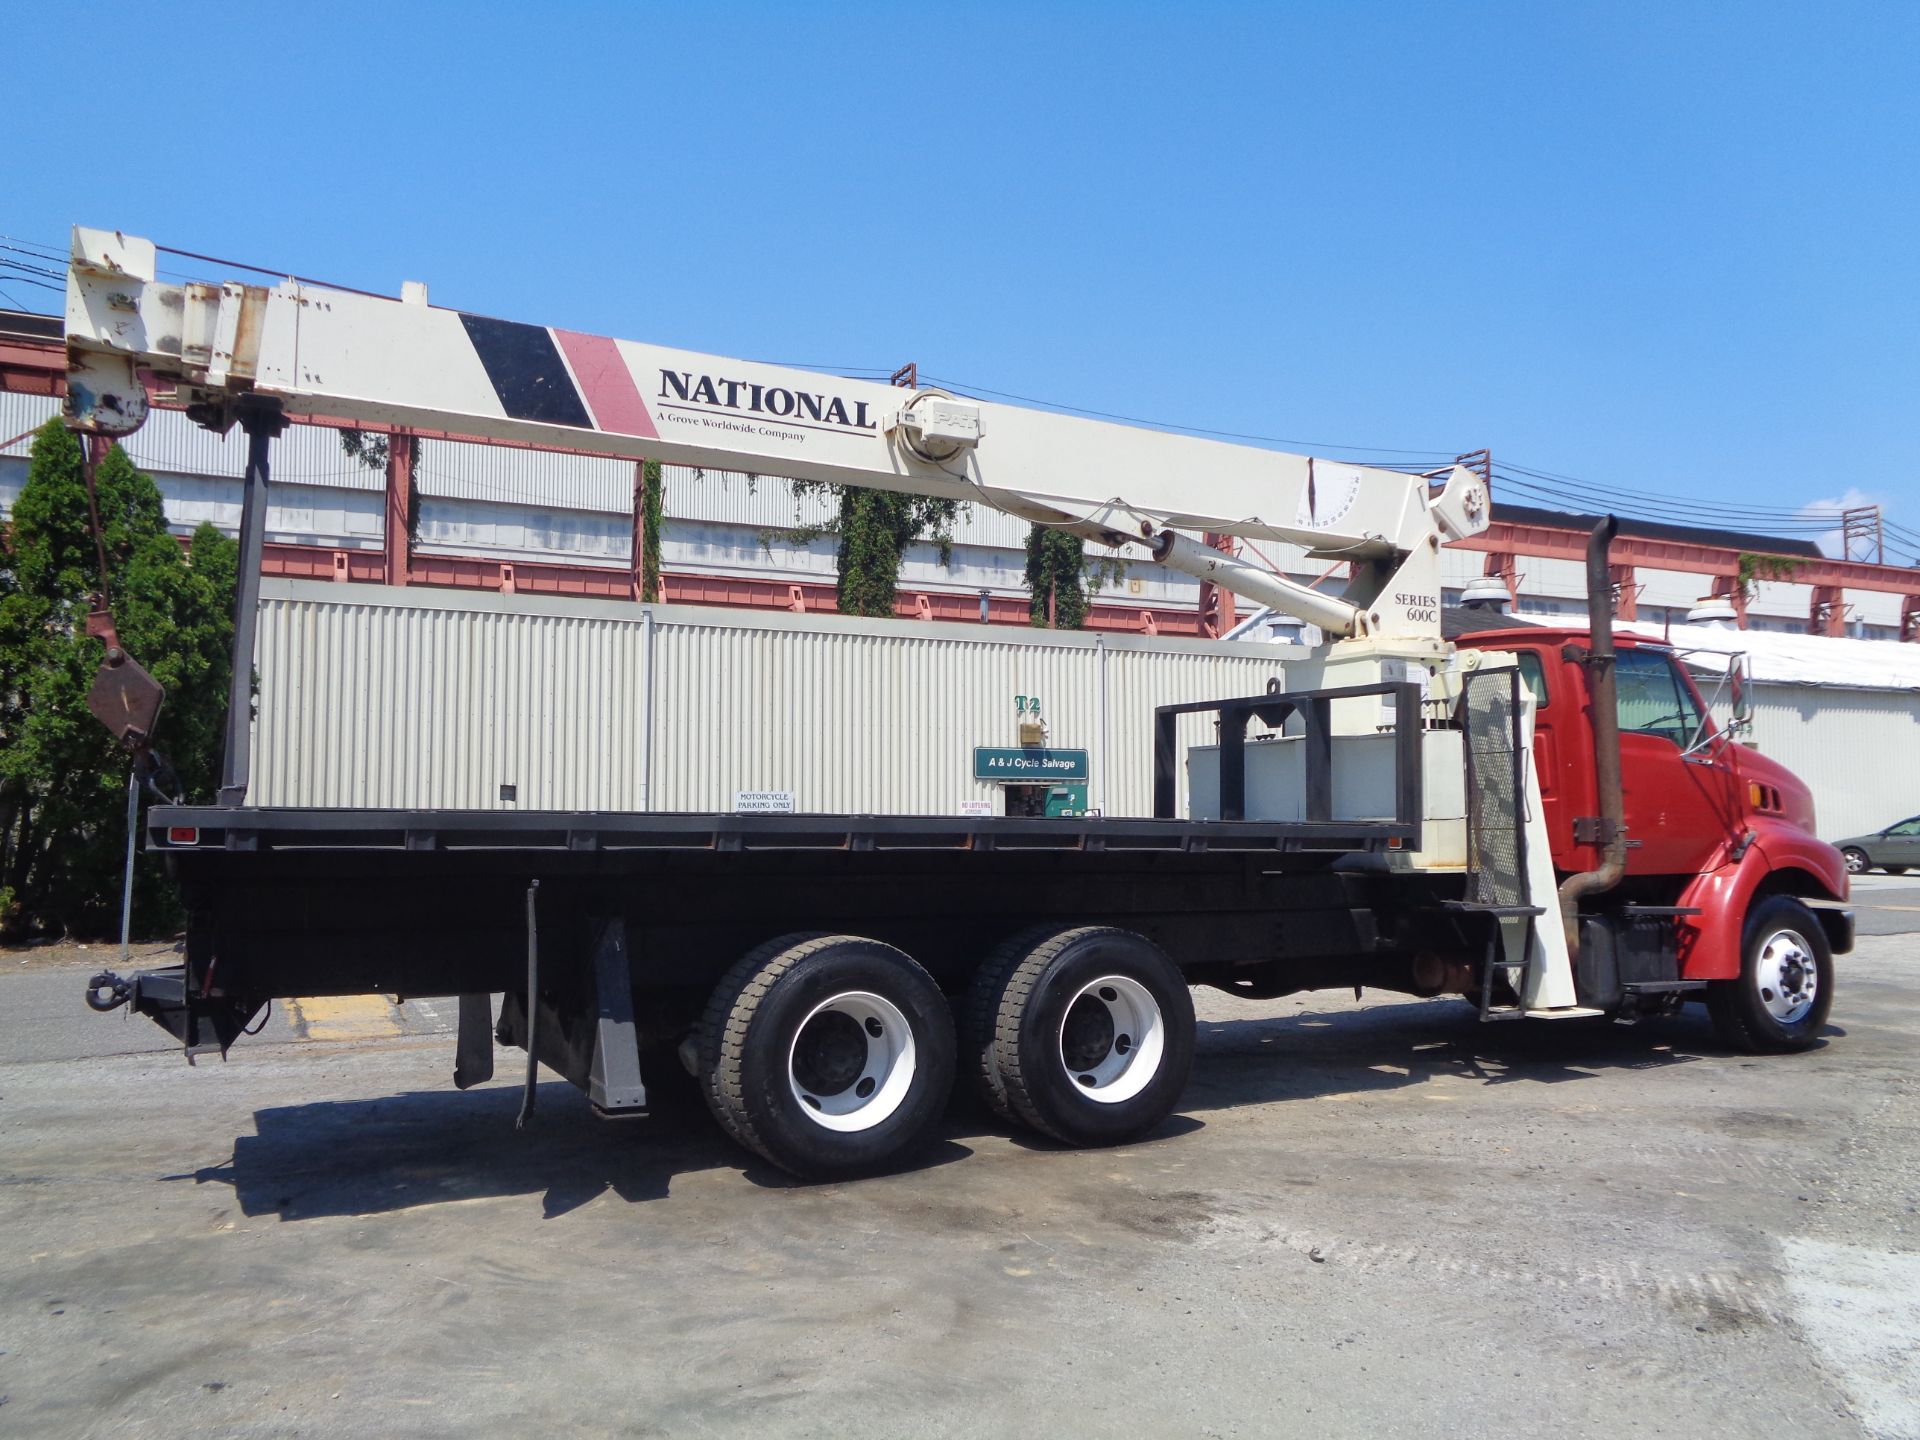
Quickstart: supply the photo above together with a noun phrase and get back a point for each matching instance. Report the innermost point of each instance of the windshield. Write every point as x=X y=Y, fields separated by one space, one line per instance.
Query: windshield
x=1653 y=699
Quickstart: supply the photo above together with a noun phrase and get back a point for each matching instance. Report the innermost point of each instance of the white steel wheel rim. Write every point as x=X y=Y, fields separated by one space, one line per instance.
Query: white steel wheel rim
x=1787 y=977
x=1112 y=1039
x=847 y=1086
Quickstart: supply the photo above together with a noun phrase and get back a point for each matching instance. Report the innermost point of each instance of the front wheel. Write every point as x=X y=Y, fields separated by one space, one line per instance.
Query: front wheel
x=1779 y=1001
x=1857 y=863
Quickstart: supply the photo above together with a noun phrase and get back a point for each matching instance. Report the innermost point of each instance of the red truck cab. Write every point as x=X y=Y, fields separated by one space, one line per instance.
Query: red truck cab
x=1714 y=828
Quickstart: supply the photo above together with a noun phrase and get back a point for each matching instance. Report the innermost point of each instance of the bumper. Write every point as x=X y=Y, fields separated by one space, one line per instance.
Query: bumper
x=1838 y=924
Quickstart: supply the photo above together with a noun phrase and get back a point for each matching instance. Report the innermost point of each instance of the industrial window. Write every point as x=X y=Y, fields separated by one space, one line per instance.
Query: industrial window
x=1652 y=699
x=1535 y=674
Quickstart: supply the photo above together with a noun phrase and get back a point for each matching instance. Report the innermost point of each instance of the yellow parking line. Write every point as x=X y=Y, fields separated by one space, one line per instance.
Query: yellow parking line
x=346 y=1017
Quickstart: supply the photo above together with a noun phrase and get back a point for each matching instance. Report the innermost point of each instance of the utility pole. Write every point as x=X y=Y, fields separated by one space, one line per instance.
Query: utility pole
x=1861 y=528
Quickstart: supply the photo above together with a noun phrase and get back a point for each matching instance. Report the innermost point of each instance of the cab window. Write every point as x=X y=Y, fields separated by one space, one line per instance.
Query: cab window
x=1535 y=675
x=1653 y=700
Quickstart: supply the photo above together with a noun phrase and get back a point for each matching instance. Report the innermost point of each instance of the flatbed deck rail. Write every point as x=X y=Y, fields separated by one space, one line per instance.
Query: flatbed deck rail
x=1315 y=710
x=179 y=828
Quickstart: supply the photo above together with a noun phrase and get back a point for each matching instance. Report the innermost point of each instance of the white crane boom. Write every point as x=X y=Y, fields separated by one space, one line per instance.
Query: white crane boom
x=351 y=356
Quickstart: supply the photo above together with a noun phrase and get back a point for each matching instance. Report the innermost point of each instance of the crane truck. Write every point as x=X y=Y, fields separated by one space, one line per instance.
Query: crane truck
x=1548 y=823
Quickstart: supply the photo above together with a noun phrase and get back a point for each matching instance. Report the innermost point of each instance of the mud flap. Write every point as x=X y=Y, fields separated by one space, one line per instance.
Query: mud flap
x=595 y=1046
x=473 y=1056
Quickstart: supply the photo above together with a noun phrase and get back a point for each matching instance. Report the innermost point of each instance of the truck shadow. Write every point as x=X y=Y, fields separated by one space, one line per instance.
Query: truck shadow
x=1324 y=1052
x=432 y=1147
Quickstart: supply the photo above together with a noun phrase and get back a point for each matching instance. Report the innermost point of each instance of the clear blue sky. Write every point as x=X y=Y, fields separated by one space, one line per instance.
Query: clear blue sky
x=1671 y=247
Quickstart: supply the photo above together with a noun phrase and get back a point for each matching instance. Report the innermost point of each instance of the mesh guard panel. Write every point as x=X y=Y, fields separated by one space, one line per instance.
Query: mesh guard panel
x=1496 y=845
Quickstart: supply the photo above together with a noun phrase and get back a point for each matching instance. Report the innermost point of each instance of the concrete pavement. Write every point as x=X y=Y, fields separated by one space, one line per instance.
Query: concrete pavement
x=1380 y=1218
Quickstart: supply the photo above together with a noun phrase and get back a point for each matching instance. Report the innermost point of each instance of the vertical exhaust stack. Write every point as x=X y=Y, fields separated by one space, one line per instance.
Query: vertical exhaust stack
x=1603 y=694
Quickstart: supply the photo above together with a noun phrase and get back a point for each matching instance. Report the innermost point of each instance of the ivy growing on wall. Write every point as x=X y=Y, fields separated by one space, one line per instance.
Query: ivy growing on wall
x=875 y=529
x=370 y=450
x=653 y=515
x=1062 y=576
x=1755 y=568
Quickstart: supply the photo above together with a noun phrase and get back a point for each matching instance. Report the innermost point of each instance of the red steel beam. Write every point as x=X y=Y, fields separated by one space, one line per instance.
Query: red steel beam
x=528 y=577
x=32 y=367
x=1689 y=557
x=399 y=507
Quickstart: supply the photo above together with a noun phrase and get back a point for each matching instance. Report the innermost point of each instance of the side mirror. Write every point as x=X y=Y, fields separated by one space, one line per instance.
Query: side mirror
x=1740 y=678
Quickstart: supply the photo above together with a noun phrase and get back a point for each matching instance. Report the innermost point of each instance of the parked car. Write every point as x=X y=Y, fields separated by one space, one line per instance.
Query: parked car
x=1892 y=849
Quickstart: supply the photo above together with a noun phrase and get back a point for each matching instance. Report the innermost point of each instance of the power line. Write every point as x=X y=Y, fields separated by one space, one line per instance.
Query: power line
x=1782 y=519
x=1808 y=529
x=850 y=371
x=1663 y=496
x=1677 y=514
x=963 y=386
x=33 y=269
x=31 y=247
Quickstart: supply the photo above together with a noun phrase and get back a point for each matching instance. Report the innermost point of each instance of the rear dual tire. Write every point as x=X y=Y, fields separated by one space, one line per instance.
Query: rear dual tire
x=1085 y=1035
x=829 y=1055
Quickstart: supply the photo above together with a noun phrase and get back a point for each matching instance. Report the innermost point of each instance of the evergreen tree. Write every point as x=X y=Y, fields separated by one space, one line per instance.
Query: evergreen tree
x=62 y=777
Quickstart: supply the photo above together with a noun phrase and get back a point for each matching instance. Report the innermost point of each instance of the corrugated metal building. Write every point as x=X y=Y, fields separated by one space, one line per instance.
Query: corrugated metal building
x=1858 y=749
x=371 y=696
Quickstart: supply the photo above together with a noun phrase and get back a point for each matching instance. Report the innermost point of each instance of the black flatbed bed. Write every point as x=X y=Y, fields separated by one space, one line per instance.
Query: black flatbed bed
x=251 y=829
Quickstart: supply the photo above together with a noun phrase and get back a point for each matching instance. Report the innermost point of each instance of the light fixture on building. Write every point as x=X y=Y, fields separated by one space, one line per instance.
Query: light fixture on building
x=1284 y=629
x=1486 y=592
x=1716 y=610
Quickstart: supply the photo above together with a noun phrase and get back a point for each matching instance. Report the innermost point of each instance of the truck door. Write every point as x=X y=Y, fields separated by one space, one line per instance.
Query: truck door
x=1681 y=791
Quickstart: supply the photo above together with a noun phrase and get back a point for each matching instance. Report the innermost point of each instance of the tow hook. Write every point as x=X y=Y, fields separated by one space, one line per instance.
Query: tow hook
x=107 y=991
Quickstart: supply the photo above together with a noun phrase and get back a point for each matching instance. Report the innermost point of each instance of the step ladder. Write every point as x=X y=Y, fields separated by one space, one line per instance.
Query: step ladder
x=1513 y=971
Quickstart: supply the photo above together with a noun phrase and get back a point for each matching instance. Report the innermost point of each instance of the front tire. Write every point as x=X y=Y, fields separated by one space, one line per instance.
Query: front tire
x=829 y=1055
x=1780 y=1000
x=1857 y=862
x=1093 y=1036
